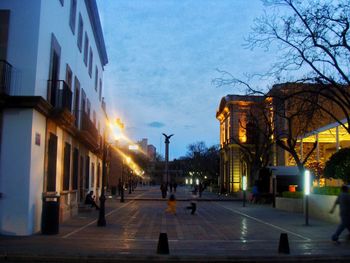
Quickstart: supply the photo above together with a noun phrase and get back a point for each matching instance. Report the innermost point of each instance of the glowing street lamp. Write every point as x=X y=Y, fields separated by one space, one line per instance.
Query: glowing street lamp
x=244 y=188
x=307 y=187
x=101 y=218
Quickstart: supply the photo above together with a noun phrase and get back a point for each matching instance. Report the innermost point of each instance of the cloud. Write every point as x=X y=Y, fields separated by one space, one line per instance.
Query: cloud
x=162 y=55
x=156 y=124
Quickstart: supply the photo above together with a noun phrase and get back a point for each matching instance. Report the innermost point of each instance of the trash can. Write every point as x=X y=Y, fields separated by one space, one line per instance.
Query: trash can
x=50 y=215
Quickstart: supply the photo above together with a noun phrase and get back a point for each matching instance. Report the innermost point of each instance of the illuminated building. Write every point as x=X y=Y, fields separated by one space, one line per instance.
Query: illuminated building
x=233 y=115
x=307 y=128
x=52 y=58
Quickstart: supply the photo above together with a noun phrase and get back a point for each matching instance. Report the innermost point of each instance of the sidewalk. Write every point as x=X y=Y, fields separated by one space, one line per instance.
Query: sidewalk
x=218 y=232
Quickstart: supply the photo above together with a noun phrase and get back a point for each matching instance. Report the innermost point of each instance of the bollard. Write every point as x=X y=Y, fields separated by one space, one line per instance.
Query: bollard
x=163 y=246
x=283 y=246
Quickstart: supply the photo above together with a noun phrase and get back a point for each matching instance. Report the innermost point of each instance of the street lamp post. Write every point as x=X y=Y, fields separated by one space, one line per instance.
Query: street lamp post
x=306 y=194
x=130 y=182
x=122 y=183
x=167 y=141
x=101 y=216
x=244 y=188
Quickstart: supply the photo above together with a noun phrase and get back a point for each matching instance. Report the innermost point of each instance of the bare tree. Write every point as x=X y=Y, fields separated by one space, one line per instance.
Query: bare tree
x=294 y=116
x=313 y=37
x=202 y=161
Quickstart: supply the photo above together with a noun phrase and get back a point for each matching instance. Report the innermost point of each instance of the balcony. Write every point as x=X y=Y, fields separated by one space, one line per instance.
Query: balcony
x=60 y=97
x=88 y=133
x=5 y=77
x=103 y=104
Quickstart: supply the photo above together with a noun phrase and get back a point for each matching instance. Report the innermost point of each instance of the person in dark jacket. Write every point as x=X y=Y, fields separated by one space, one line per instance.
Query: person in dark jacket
x=90 y=200
x=343 y=200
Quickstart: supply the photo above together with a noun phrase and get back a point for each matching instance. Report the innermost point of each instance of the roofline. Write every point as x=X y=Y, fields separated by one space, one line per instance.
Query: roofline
x=323 y=128
x=94 y=17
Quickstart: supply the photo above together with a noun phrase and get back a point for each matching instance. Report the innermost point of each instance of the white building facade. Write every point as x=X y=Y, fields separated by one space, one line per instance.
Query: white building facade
x=52 y=114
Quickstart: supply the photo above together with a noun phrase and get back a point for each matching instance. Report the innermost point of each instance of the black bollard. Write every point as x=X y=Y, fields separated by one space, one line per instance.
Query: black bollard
x=163 y=246
x=283 y=246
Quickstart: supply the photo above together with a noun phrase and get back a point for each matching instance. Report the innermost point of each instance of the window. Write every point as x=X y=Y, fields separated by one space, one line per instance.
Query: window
x=92 y=175
x=66 y=166
x=87 y=171
x=88 y=107
x=90 y=62
x=51 y=163
x=100 y=91
x=4 y=28
x=98 y=174
x=55 y=58
x=69 y=76
x=86 y=48
x=72 y=15
x=75 y=168
x=96 y=78
x=80 y=33
x=76 y=100
x=83 y=100
x=81 y=179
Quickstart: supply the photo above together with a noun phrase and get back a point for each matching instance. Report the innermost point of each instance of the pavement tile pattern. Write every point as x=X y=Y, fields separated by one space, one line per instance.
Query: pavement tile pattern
x=221 y=230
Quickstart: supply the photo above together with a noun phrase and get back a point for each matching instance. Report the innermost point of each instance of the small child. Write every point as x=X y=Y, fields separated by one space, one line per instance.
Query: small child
x=171 y=205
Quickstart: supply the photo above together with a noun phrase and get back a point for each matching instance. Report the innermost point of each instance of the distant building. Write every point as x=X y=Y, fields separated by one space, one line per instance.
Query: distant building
x=148 y=149
x=143 y=145
x=151 y=152
x=233 y=117
x=52 y=58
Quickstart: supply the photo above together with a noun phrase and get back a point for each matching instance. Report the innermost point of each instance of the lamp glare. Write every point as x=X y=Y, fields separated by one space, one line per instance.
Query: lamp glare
x=307 y=182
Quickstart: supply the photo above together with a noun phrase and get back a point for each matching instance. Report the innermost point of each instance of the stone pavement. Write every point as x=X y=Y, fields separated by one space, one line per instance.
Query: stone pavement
x=218 y=232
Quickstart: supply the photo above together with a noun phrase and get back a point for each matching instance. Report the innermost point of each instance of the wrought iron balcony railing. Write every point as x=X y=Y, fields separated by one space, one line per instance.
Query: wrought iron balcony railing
x=88 y=126
x=5 y=77
x=59 y=95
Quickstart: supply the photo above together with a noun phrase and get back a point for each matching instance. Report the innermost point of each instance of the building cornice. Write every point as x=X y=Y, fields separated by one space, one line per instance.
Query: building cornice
x=34 y=102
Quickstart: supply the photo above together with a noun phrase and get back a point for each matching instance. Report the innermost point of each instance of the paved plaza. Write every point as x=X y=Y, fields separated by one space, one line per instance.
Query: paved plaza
x=221 y=230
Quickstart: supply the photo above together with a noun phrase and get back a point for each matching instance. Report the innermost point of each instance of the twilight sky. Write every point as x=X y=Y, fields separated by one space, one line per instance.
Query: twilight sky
x=163 y=56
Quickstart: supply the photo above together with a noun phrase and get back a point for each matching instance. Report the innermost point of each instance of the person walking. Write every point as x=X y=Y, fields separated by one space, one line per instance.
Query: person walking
x=255 y=193
x=163 y=189
x=343 y=200
x=200 y=189
x=175 y=185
